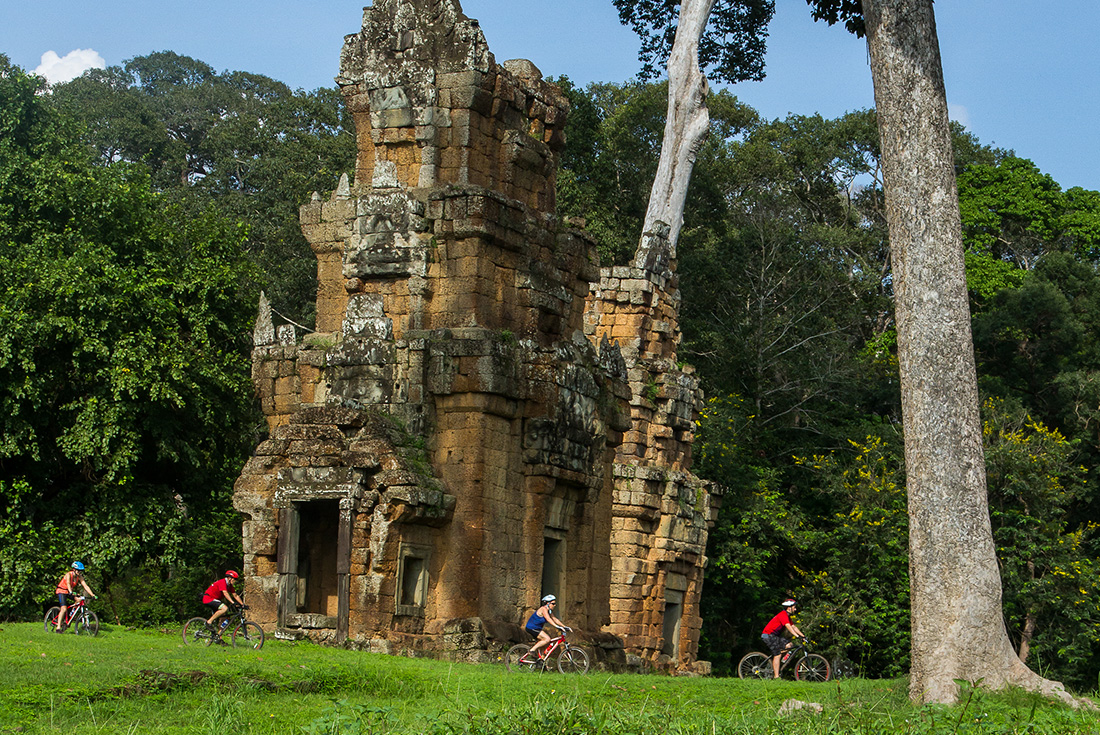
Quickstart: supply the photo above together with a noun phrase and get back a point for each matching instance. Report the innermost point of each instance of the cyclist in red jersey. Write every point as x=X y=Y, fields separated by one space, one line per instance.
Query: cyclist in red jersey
x=772 y=635
x=220 y=595
x=66 y=588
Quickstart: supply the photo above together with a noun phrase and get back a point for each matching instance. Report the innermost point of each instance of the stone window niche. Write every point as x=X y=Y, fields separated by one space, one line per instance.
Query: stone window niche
x=412 y=579
x=674 y=611
x=675 y=586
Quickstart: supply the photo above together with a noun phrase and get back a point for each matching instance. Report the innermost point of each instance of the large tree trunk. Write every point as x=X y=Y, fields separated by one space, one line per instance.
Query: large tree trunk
x=957 y=623
x=685 y=129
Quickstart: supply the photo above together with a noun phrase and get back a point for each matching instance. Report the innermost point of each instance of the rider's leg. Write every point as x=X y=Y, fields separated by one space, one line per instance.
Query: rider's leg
x=222 y=608
x=63 y=599
x=544 y=638
x=778 y=656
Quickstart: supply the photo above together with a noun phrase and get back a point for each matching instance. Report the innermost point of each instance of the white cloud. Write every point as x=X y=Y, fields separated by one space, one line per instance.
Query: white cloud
x=959 y=114
x=63 y=69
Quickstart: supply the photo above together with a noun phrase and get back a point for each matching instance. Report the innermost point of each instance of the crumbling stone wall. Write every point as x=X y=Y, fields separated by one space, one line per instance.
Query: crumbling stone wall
x=662 y=512
x=463 y=432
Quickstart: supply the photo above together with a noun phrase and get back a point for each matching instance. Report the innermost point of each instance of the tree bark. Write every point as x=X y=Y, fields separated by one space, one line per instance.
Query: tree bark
x=685 y=129
x=1030 y=623
x=957 y=624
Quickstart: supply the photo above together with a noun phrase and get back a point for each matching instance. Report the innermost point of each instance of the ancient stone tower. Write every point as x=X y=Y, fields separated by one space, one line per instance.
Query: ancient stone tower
x=461 y=434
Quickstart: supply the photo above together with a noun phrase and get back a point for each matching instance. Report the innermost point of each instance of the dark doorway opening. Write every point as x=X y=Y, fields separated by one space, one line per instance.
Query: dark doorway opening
x=318 y=532
x=553 y=567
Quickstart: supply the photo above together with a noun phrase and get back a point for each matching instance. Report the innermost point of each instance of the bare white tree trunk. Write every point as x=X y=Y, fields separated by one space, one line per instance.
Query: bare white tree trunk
x=957 y=622
x=685 y=129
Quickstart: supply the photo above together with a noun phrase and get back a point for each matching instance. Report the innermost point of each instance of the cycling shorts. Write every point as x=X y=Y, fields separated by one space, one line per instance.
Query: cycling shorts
x=776 y=643
x=216 y=605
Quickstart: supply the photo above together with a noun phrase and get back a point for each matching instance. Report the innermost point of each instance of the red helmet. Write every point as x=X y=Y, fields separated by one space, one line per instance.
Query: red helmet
x=231 y=573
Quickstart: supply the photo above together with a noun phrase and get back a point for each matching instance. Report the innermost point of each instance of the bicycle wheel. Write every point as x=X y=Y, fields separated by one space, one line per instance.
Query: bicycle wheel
x=512 y=659
x=755 y=665
x=50 y=621
x=812 y=667
x=248 y=635
x=196 y=631
x=87 y=623
x=573 y=660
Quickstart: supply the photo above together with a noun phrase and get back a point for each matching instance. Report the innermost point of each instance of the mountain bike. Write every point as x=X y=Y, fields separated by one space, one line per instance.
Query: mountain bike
x=810 y=667
x=82 y=620
x=244 y=633
x=571 y=659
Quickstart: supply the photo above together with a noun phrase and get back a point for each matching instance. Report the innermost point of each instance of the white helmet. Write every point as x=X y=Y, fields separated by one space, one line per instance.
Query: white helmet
x=789 y=603
x=549 y=598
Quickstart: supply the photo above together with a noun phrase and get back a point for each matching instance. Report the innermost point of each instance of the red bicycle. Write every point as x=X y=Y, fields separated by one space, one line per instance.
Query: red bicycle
x=571 y=659
x=82 y=620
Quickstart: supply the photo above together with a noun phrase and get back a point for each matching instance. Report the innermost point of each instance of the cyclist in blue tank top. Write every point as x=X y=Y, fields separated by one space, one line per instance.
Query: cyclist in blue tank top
x=539 y=618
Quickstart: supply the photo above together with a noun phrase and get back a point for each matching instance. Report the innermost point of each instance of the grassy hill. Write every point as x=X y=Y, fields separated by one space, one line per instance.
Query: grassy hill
x=150 y=682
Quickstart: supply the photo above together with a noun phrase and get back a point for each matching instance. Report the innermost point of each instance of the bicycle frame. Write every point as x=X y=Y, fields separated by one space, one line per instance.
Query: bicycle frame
x=788 y=656
x=229 y=621
x=554 y=644
x=76 y=607
x=73 y=611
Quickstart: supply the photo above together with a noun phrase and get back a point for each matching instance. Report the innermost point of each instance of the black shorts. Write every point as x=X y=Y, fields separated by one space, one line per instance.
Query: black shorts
x=216 y=605
x=63 y=598
x=534 y=633
x=776 y=643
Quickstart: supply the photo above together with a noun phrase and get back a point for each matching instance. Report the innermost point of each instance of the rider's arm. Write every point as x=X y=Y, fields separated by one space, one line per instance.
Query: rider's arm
x=554 y=619
x=86 y=587
x=794 y=631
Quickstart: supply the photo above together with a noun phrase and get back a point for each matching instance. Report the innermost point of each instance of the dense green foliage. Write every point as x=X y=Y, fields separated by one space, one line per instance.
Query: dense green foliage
x=142 y=208
x=125 y=401
x=149 y=682
x=243 y=143
x=787 y=315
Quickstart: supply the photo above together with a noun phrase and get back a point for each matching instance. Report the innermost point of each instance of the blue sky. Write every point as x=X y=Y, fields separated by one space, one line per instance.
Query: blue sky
x=1020 y=74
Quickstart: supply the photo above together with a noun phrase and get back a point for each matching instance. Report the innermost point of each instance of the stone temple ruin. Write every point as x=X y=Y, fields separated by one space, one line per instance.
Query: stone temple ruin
x=483 y=414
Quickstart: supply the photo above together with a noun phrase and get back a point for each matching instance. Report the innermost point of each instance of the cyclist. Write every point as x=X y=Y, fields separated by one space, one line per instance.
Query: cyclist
x=220 y=595
x=67 y=587
x=535 y=623
x=781 y=623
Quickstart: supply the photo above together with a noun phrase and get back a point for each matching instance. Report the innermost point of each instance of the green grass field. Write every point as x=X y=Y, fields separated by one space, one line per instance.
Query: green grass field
x=149 y=682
